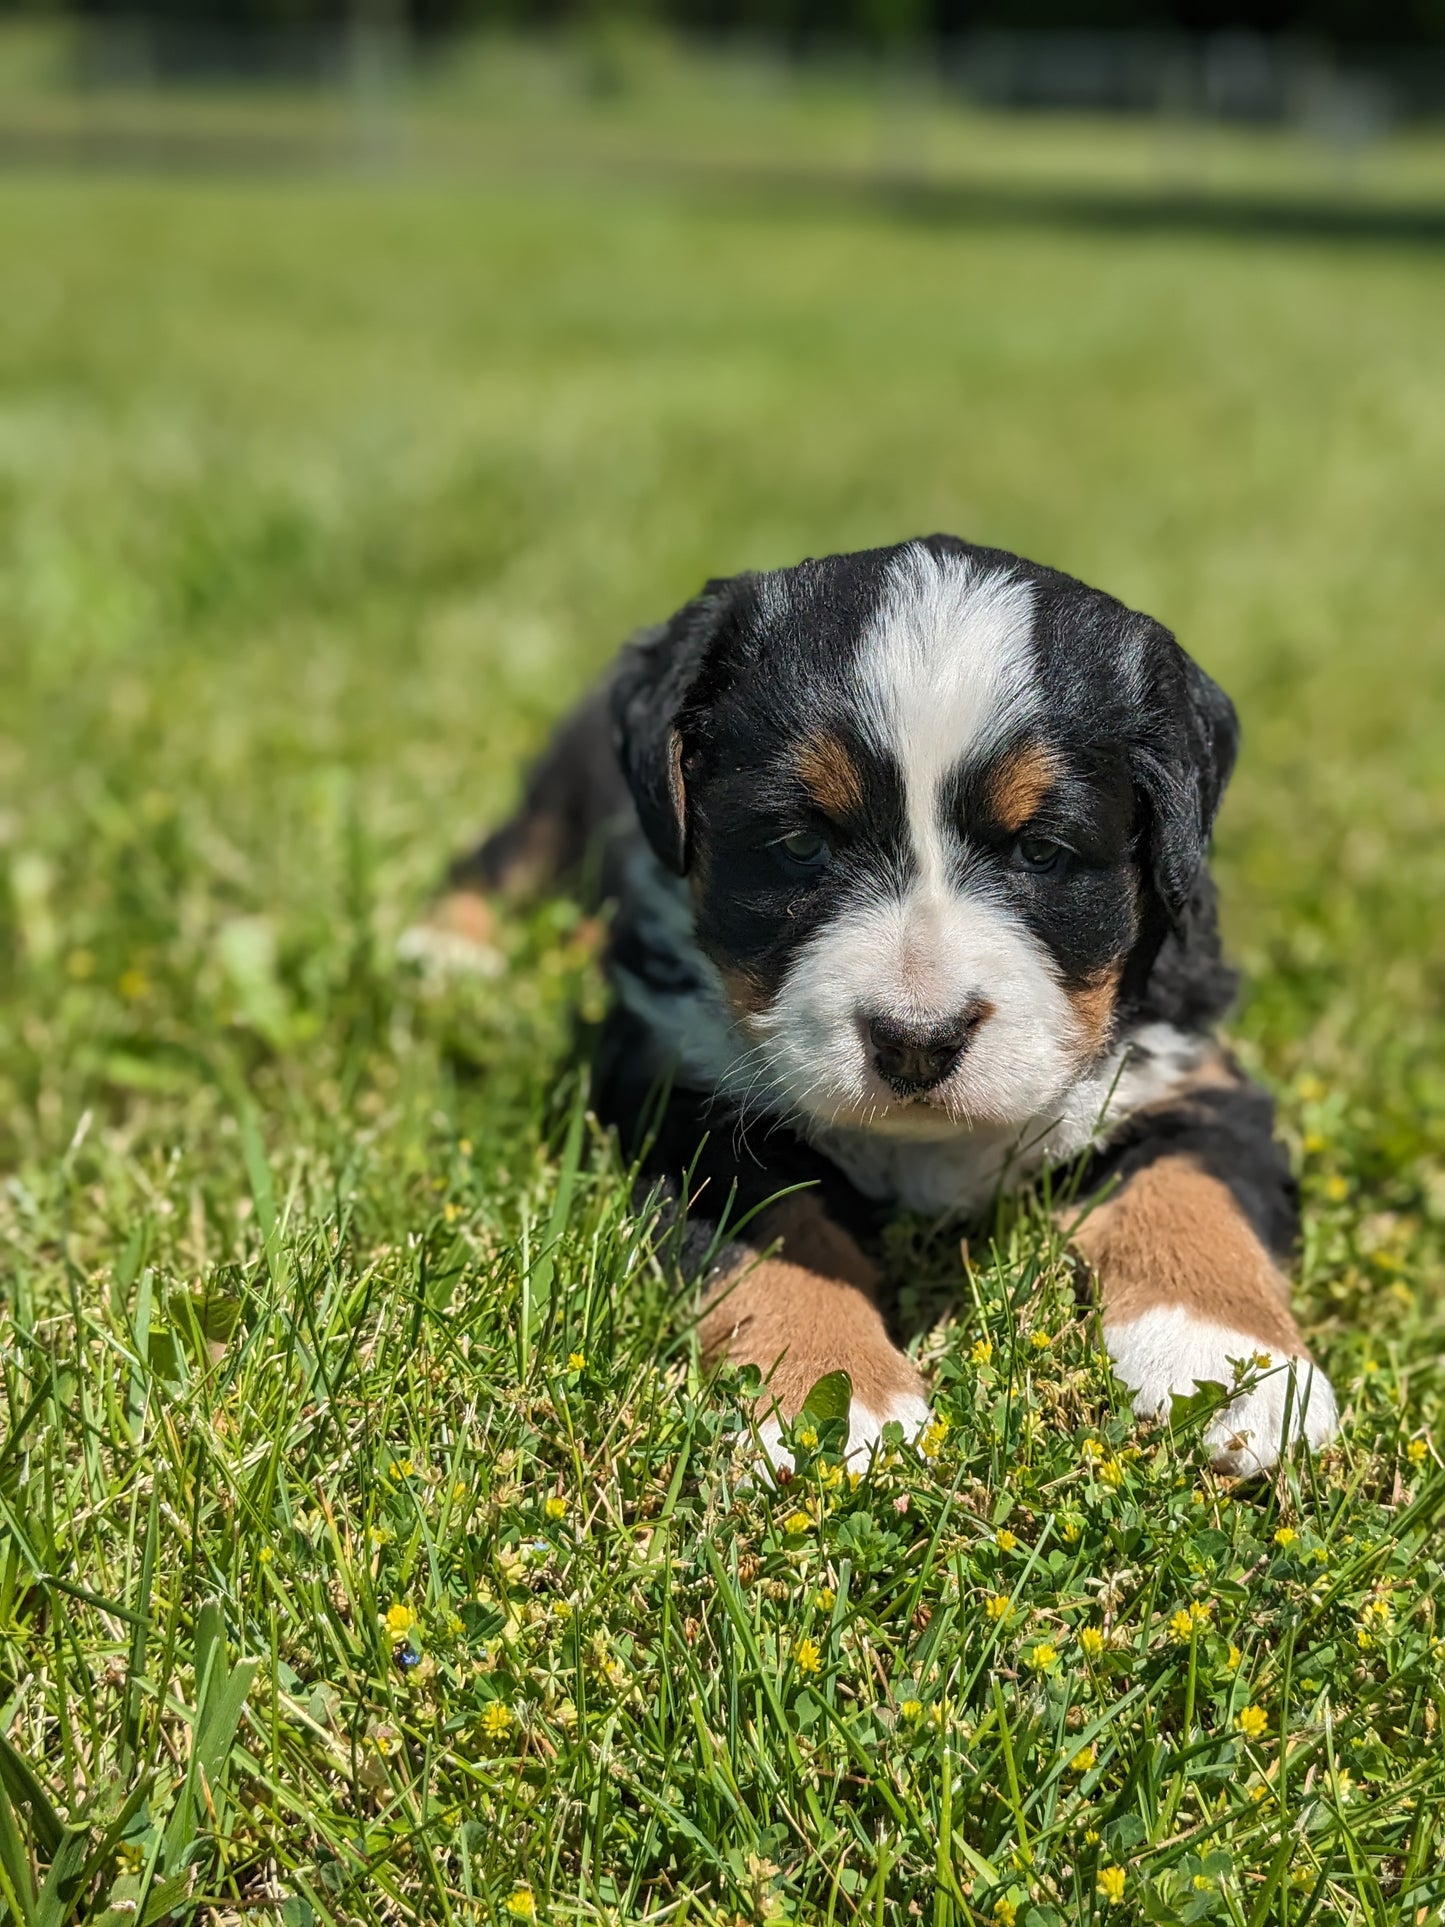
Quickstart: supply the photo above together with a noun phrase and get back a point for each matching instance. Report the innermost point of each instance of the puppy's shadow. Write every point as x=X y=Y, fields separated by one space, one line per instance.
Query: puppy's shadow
x=932 y=1267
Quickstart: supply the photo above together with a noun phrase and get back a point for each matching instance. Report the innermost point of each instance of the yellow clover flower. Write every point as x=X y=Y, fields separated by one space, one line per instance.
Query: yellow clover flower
x=1252 y=1722
x=1111 y=1883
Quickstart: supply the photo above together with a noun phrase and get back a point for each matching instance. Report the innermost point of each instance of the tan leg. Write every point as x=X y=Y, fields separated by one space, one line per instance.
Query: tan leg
x=1187 y=1289
x=575 y=799
x=807 y=1309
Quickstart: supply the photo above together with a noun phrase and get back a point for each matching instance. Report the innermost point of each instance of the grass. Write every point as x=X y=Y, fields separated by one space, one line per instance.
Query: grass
x=370 y=1548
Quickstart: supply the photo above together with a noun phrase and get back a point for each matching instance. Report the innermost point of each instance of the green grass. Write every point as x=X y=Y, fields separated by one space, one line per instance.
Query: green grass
x=318 y=499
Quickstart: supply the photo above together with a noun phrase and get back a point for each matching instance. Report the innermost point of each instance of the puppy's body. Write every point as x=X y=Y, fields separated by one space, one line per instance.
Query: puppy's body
x=907 y=852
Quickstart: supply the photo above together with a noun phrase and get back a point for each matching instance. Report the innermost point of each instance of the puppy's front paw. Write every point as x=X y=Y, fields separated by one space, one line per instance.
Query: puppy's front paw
x=1170 y=1351
x=803 y=1312
x=865 y=1429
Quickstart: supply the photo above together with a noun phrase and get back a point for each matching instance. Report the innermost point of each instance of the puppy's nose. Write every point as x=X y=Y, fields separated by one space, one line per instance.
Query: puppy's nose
x=915 y=1057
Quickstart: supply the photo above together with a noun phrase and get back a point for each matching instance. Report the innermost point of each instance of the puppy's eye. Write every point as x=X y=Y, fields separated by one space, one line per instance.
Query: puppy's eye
x=804 y=850
x=1041 y=856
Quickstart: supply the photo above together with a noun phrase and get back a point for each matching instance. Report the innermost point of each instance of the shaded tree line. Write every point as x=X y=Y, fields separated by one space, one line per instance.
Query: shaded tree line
x=1342 y=22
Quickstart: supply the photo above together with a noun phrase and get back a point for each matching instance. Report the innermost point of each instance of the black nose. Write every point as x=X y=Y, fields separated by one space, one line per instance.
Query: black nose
x=915 y=1057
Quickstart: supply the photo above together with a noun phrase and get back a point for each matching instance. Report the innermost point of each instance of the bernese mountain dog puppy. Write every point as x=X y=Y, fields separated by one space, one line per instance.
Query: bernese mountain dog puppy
x=907 y=857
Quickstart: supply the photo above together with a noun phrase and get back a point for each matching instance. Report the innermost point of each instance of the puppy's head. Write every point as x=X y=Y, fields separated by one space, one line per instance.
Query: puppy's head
x=934 y=802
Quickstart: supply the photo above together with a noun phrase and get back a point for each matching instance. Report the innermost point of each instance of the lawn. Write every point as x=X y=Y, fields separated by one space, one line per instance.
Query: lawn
x=370 y=1546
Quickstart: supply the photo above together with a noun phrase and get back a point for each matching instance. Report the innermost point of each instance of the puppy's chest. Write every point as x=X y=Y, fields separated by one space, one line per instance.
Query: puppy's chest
x=959 y=1174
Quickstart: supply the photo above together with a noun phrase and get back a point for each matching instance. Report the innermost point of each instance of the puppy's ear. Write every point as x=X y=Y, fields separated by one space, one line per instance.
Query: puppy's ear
x=657 y=677
x=1182 y=761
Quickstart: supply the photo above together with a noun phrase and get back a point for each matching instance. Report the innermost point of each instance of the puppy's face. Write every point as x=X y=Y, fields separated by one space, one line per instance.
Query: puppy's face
x=905 y=787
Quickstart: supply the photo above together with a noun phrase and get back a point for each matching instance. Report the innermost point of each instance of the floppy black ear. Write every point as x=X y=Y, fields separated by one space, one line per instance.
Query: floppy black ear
x=655 y=678
x=1182 y=762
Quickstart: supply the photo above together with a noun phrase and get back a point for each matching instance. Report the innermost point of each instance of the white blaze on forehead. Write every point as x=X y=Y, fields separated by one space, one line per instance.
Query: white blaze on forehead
x=945 y=669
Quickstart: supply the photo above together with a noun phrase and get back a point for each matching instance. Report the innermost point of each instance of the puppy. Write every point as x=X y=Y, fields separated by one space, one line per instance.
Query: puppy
x=907 y=854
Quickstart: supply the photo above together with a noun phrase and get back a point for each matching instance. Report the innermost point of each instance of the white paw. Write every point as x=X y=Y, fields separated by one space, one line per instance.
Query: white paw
x=446 y=953
x=865 y=1431
x=1169 y=1350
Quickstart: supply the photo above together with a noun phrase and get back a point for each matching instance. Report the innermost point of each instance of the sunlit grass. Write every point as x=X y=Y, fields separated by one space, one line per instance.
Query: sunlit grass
x=369 y=1547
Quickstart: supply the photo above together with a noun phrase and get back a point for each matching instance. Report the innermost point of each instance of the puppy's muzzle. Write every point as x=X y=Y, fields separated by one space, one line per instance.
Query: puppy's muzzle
x=912 y=1057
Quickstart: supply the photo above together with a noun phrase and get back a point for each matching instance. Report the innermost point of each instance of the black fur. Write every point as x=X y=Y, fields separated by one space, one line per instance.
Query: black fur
x=576 y=815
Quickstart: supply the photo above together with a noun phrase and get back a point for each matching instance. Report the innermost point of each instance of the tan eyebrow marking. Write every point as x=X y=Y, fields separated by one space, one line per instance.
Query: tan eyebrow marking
x=1019 y=782
x=830 y=776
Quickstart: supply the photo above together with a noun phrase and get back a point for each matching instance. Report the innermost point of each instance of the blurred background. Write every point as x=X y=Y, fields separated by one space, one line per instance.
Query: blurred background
x=760 y=81
x=369 y=368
